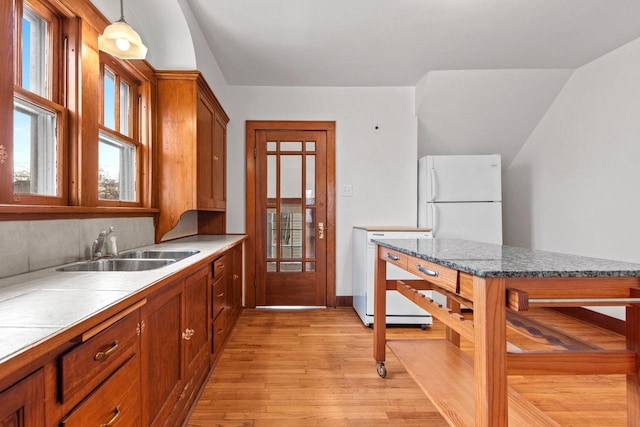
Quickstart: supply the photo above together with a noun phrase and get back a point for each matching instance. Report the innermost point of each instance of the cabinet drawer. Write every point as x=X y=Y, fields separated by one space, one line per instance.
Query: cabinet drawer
x=394 y=257
x=439 y=275
x=220 y=330
x=219 y=297
x=88 y=364
x=219 y=266
x=117 y=401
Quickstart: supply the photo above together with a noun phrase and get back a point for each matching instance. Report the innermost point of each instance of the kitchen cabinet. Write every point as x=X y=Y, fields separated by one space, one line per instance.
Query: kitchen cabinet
x=23 y=403
x=191 y=157
x=177 y=337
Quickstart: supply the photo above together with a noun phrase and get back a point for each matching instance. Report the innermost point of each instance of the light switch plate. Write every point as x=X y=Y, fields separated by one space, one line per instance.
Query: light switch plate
x=346 y=190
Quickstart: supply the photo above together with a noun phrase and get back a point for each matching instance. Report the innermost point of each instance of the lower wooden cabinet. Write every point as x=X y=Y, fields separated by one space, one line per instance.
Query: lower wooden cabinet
x=22 y=405
x=144 y=366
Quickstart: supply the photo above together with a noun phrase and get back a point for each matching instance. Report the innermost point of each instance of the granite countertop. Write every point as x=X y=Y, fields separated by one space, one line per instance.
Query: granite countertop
x=38 y=305
x=490 y=260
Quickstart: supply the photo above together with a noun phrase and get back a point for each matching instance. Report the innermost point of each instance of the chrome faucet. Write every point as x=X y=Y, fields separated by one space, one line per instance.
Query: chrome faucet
x=98 y=248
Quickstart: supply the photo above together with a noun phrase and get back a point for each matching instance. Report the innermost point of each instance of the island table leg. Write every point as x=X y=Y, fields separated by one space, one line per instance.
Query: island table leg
x=633 y=344
x=380 y=310
x=490 y=354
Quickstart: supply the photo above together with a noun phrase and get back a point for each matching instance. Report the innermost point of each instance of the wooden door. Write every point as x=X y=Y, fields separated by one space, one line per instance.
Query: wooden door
x=291 y=217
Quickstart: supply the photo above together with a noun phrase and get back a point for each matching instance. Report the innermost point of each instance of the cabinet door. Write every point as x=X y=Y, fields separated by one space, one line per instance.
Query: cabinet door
x=163 y=344
x=22 y=405
x=219 y=154
x=207 y=163
x=196 y=326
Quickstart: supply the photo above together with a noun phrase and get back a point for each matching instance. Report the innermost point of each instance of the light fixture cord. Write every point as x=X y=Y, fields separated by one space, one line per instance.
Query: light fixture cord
x=121 y=11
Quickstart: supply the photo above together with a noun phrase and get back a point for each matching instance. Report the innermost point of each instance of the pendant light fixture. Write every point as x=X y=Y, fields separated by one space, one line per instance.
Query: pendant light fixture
x=122 y=41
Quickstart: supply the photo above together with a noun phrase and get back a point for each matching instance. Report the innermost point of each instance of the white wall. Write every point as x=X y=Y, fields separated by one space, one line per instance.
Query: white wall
x=574 y=186
x=381 y=166
x=483 y=111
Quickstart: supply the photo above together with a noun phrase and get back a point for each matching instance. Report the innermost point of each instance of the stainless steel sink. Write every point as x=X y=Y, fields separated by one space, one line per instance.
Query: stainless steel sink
x=115 y=264
x=157 y=254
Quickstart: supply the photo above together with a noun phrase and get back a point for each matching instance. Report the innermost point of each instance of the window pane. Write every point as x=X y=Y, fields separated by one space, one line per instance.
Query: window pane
x=117 y=170
x=291 y=146
x=34 y=53
x=35 y=150
x=124 y=109
x=310 y=182
x=109 y=106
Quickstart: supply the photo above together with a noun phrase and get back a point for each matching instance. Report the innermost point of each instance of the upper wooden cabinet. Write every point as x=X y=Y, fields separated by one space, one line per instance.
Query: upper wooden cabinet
x=192 y=128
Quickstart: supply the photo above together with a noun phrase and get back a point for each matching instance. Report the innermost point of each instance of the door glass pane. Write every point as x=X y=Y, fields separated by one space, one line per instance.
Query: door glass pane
x=311 y=180
x=290 y=177
x=310 y=243
x=272 y=173
x=309 y=266
x=272 y=146
x=290 y=146
x=290 y=266
x=310 y=146
x=272 y=241
x=272 y=267
x=291 y=231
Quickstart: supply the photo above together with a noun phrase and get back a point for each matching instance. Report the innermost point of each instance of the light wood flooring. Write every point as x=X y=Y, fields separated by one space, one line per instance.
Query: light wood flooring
x=315 y=368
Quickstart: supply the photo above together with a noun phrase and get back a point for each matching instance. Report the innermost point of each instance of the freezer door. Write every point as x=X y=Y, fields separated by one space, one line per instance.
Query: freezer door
x=460 y=178
x=481 y=222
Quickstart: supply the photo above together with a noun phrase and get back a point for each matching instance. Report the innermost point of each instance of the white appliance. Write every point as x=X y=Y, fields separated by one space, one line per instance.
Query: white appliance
x=399 y=309
x=461 y=197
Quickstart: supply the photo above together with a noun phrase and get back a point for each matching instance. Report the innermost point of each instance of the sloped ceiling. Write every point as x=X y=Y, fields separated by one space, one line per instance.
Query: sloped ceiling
x=483 y=111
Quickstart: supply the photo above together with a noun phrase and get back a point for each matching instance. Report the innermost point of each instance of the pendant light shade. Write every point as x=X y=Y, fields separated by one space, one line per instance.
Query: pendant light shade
x=122 y=41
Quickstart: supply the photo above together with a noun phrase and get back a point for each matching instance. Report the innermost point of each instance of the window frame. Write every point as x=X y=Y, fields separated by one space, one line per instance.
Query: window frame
x=135 y=139
x=52 y=101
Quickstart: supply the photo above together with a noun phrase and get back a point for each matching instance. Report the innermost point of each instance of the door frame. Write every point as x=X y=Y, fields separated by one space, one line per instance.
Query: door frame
x=251 y=127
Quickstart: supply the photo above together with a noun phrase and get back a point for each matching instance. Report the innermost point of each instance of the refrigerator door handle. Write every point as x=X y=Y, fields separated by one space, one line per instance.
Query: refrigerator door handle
x=434 y=218
x=432 y=172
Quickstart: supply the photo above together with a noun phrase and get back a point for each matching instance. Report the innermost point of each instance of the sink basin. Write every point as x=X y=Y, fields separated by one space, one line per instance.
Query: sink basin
x=115 y=264
x=157 y=254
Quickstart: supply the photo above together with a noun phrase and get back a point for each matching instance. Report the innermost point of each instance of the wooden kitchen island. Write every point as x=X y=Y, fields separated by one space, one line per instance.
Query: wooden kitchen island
x=500 y=283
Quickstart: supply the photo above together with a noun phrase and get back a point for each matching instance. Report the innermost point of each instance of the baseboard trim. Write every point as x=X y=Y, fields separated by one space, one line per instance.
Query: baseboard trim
x=344 y=301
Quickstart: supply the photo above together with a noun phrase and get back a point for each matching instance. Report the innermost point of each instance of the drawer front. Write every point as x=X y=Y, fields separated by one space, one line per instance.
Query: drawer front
x=439 y=275
x=219 y=266
x=394 y=257
x=116 y=401
x=219 y=297
x=220 y=330
x=88 y=364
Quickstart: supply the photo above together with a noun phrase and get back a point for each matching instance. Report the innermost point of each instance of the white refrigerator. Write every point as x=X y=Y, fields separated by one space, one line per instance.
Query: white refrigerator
x=399 y=309
x=461 y=197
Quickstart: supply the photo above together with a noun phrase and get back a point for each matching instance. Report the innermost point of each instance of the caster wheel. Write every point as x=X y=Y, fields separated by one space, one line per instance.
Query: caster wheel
x=382 y=370
x=423 y=327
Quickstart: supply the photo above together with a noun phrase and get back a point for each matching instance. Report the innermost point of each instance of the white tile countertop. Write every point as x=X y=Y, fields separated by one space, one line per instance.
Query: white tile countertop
x=39 y=305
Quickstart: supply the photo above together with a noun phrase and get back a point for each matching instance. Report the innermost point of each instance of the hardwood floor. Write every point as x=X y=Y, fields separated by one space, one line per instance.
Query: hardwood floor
x=315 y=368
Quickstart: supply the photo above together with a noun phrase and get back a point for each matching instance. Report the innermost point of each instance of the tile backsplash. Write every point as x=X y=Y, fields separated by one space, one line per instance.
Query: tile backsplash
x=32 y=245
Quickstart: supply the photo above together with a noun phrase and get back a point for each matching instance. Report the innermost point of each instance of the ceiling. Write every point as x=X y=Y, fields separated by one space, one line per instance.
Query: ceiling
x=397 y=42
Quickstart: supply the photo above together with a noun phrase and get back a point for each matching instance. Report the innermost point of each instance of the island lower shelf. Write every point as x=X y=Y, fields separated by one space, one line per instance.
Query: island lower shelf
x=446 y=375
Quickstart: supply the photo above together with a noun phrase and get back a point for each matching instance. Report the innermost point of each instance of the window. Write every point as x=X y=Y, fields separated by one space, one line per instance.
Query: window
x=119 y=141
x=37 y=133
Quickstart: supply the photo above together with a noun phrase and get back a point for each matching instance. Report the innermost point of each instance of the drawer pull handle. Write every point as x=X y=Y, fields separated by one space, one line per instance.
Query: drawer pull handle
x=393 y=257
x=113 y=420
x=187 y=334
x=235 y=277
x=101 y=355
x=426 y=271
x=221 y=294
x=220 y=331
